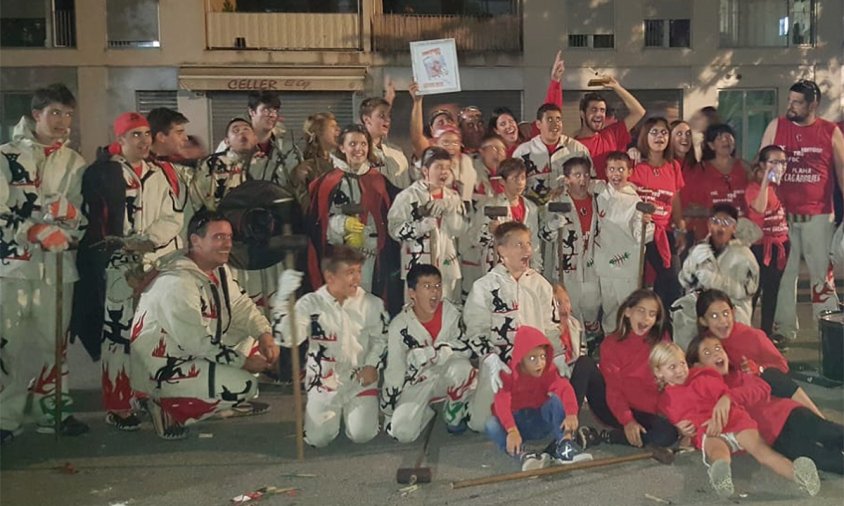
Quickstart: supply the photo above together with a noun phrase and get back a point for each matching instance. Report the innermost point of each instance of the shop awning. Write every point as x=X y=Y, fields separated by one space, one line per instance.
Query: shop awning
x=249 y=78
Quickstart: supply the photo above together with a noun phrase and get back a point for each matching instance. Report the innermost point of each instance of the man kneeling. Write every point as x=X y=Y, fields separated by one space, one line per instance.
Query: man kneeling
x=192 y=355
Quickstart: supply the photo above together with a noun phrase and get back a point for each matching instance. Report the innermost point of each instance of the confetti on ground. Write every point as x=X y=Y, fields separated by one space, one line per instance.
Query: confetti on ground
x=67 y=468
x=101 y=491
x=657 y=499
x=259 y=494
x=206 y=435
x=408 y=490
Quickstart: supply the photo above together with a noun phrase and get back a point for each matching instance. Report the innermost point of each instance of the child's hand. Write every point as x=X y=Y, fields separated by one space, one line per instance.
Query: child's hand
x=750 y=366
x=713 y=428
x=633 y=432
x=721 y=412
x=686 y=428
x=514 y=442
x=647 y=218
x=367 y=375
x=570 y=424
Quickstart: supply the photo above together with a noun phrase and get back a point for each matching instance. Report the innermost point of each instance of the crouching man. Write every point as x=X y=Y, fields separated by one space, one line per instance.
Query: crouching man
x=346 y=330
x=427 y=360
x=191 y=351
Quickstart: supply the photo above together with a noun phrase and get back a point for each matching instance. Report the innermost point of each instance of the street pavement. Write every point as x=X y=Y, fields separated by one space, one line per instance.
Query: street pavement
x=225 y=458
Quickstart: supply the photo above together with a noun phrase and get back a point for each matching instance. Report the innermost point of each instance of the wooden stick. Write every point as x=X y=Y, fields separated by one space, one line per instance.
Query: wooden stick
x=642 y=255
x=59 y=358
x=560 y=469
x=290 y=263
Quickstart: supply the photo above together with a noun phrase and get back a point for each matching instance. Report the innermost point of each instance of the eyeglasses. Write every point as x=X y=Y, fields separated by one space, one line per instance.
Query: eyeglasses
x=724 y=222
x=657 y=132
x=494 y=148
x=781 y=163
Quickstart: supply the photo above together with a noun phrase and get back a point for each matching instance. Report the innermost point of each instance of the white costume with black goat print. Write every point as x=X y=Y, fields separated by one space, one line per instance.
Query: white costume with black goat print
x=544 y=169
x=342 y=339
x=569 y=257
x=422 y=369
x=393 y=165
x=733 y=270
x=150 y=214
x=496 y=307
x=619 y=227
x=39 y=186
x=429 y=239
x=191 y=335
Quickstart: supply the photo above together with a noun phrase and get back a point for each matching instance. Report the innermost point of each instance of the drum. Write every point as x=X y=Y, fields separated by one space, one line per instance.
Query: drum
x=831 y=334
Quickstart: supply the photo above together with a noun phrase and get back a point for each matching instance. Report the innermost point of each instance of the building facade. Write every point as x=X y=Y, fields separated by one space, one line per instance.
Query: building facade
x=204 y=56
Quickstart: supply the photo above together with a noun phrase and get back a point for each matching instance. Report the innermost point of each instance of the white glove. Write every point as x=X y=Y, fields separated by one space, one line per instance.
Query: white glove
x=562 y=366
x=555 y=221
x=701 y=254
x=437 y=207
x=288 y=282
x=496 y=366
x=427 y=224
x=417 y=358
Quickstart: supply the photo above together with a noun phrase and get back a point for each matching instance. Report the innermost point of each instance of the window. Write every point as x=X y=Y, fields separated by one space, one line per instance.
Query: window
x=132 y=24
x=591 y=24
x=451 y=7
x=748 y=112
x=667 y=33
x=313 y=6
x=31 y=24
x=767 y=23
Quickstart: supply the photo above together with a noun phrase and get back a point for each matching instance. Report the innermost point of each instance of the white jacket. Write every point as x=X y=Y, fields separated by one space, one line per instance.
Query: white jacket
x=184 y=315
x=427 y=240
x=215 y=176
x=498 y=305
x=342 y=338
x=480 y=249
x=348 y=191
x=618 y=233
x=393 y=164
x=29 y=180
x=406 y=333
x=543 y=171
x=568 y=245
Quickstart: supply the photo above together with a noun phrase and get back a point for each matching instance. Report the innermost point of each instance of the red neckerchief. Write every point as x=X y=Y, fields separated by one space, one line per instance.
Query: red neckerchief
x=49 y=150
x=170 y=174
x=565 y=339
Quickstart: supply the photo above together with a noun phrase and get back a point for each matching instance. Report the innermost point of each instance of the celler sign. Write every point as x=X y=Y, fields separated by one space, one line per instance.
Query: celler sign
x=268 y=84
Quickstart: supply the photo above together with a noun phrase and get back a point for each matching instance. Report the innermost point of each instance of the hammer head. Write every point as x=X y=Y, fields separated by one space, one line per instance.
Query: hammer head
x=495 y=211
x=352 y=209
x=559 y=207
x=662 y=455
x=413 y=475
x=645 y=207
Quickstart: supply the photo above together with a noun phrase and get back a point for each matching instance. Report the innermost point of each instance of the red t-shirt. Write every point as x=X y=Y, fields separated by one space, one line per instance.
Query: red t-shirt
x=706 y=186
x=519 y=210
x=658 y=186
x=584 y=212
x=772 y=222
x=551 y=148
x=615 y=137
x=807 y=185
x=433 y=327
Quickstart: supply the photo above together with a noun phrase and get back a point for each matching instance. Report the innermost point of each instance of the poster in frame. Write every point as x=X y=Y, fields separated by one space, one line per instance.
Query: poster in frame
x=435 y=67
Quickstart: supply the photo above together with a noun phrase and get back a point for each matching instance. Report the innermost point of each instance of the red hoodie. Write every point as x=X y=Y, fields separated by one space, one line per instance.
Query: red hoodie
x=695 y=399
x=520 y=391
x=630 y=382
x=770 y=413
x=752 y=343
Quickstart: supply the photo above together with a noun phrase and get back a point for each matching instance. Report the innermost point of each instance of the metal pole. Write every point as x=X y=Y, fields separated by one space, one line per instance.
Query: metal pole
x=59 y=358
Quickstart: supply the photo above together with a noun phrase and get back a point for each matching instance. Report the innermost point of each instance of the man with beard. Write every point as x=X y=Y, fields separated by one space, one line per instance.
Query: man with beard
x=598 y=136
x=815 y=149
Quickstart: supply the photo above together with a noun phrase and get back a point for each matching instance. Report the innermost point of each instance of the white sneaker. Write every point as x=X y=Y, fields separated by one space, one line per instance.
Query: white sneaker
x=531 y=461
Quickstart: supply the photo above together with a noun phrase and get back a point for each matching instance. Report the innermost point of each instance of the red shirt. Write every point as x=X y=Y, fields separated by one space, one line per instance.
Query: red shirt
x=630 y=381
x=772 y=222
x=584 y=212
x=752 y=343
x=519 y=211
x=706 y=186
x=807 y=185
x=615 y=137
x=433 y=327
x=751 y=392
x=695 y=399
x=658 y=185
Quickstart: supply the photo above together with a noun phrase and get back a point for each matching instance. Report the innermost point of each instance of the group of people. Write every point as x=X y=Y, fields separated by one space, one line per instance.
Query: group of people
x=484 y=274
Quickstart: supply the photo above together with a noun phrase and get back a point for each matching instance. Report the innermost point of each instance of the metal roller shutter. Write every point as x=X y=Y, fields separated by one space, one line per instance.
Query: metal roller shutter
x=295 y=109
x=145 y=101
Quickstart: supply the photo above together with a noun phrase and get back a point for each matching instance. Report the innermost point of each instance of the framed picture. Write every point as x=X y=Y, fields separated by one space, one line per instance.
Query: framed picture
x=435 y=67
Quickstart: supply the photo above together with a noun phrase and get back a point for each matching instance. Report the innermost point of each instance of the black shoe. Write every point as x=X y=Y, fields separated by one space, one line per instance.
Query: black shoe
x=587 y=437
x=129 y=423
x=70 y=426
x=780 y=341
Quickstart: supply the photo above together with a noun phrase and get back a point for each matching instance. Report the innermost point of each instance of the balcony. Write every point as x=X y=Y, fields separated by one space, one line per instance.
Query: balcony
x=37 y=27
x=283 y=30
x=394 y=32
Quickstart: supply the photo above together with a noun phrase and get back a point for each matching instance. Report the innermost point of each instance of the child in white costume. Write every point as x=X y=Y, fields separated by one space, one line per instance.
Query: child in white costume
x=346 y=329
x=427 y=218
x=510 y=295
x=427 y=360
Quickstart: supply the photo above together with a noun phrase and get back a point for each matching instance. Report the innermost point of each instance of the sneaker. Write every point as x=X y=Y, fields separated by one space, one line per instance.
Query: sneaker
x=721 y=478
x=565 y=452
x=245 y=408
x=70 y=426
x=806 y=475
x=165 y=428
x=128 y=423
x=587 y=437
x=780 y=341
x=459 y=428
x=6 y=436
x=532 y=461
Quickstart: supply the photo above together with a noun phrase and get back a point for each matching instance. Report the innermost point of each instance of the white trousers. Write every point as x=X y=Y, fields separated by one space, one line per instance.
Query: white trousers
x=358 y=407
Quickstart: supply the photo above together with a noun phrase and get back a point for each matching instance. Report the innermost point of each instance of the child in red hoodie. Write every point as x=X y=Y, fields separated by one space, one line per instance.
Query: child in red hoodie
x=790 y=428
x=534 y=402
x=748 y=347
x=699 y=402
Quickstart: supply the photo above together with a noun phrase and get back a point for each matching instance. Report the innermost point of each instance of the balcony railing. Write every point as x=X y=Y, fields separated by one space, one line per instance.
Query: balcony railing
x=58 y=30
x=394 y=32
x=246 y=30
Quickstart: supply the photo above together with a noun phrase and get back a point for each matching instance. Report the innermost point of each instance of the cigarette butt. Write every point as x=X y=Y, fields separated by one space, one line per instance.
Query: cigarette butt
x=206 y=435
x=657 y=499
